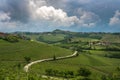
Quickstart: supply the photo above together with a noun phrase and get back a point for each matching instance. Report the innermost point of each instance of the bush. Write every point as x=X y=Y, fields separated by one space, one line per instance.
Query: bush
x=113 y=55
x=11 y=38
x=112 y=48
x=84 y=72
x=49 y=71
x=65 y=74
x=103 y=77
x=27 y=59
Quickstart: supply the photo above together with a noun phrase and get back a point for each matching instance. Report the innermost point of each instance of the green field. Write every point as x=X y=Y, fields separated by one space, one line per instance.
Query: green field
x=58 y=36
x=97 y=64
x=103 y=61
x=12 y=54
x=17 y=51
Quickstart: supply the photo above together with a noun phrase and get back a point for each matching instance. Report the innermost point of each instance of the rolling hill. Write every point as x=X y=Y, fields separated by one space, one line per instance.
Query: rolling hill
x=102 y=60
x=60 y=36
x=12 y=55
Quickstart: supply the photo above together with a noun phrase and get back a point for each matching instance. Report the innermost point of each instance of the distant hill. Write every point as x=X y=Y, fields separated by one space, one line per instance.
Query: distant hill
x=59 y=36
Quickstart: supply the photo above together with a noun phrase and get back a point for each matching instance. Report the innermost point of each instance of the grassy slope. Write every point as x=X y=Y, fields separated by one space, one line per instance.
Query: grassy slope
x=50 y=37
x=17 y=51
x=96 y=61
x=111 y=38
x=12 y=54
x=97 y=64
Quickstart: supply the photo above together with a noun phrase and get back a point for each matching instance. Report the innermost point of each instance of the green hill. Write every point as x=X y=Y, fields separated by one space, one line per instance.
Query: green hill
x=99 y=65
x=102 y=60
x=12 y=56
x=17 y=51
x=60 y=36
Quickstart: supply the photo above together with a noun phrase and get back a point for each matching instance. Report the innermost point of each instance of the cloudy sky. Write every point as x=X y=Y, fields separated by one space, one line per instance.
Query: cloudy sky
x=48 y=15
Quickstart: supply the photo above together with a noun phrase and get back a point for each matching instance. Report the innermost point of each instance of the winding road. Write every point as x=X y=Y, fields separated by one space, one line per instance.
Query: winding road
x=26 y=67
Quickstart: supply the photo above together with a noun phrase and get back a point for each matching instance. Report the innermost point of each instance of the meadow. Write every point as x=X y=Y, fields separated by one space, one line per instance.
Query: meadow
x=97 y=57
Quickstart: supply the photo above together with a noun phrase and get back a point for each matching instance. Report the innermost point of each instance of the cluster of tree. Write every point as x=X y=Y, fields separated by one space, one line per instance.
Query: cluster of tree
x=112 y=48
x=11 y=38
x=57 y=73
x=89 y=35
x=84 y=72
x=27 y=33
x=77 y=47
x=23 y=37
x=8 y=37
x=69 y=74
x=113 y=55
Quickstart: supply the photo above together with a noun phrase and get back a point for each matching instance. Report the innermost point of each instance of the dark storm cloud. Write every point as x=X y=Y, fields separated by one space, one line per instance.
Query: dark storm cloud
x=18 y=9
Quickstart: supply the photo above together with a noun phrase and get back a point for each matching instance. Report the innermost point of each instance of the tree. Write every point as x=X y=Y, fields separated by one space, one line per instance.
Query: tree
x=55 y=72
x=84 y=72
x=49 y=72
x=77 y=54
x=70 y=74
x=103 y=77
x=54 y=57
x=27 y=59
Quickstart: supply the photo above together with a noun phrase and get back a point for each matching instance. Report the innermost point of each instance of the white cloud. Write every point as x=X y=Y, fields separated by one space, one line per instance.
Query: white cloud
x=5 y=21
x=87 y=18
x=115 y=20
x=49 y=14
x=4 y=17
x=57 y=17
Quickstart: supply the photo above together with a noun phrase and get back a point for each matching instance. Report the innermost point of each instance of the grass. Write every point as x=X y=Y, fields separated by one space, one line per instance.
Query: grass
x=12 y=54
x=84 y=39
x=52 y=38
x=97 y=64
x=111 y=38
x=12 y=57
x=47 y=37
x=17 y=51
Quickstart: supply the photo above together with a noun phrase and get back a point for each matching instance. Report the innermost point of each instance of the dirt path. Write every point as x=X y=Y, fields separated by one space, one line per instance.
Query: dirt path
x=26 y=67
